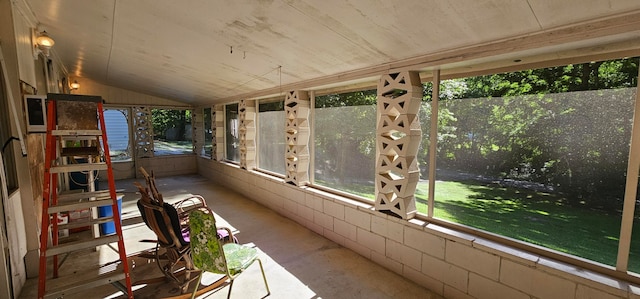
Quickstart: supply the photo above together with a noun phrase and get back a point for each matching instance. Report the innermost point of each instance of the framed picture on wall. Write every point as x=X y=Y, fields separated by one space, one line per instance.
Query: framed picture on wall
x=36 y=113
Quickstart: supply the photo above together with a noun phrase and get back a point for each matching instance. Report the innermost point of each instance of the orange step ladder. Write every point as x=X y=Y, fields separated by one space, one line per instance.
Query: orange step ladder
x=76 y=133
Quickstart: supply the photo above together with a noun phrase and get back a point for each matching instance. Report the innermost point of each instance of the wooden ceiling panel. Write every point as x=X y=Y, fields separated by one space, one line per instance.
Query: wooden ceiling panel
x=182 y=50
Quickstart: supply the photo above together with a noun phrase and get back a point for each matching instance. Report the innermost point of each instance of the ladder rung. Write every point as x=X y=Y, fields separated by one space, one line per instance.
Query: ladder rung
x=81 y=244
x=78 y=138
x=80 y=151
x=76 y=132
x=84 y=223
x=73 y=206
x=63 y=286
x=75 y=196
x=78 y=167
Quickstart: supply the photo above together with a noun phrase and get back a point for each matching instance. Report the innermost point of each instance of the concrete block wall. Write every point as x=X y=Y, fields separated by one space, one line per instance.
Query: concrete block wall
x=448 y=262
x=168 y=165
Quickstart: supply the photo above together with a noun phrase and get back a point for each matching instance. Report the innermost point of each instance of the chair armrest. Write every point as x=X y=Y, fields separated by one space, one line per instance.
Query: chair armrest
x=232 y=239
x=189 y=204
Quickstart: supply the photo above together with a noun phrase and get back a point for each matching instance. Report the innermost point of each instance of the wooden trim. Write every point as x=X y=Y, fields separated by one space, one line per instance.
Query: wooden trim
x=631 y=190
x=433 y=140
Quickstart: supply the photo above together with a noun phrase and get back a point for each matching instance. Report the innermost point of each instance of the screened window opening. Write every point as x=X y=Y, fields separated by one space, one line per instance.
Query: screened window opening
x=208 y=133
x=232 y=136
x=538 y=156
x=117 y=127
x=271 y=138
x=344 y=146
x=172 y=131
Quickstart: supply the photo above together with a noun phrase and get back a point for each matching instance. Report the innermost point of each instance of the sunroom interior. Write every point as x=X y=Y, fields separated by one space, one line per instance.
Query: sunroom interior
x=403 y=149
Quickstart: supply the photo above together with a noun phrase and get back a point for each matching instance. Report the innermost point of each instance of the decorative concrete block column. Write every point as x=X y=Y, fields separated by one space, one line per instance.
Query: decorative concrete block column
x=218 y=133
x=296 y=108
x=142 y=132
x=247 y=132
x=397 y=141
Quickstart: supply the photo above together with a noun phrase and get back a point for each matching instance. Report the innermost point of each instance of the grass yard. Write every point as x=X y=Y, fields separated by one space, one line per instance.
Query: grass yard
x=536 y=217
x=162 y=147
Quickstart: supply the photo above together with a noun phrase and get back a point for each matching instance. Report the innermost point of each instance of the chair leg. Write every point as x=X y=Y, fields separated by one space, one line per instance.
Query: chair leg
x=230 y=286
x=195 y=290
x=264 y=277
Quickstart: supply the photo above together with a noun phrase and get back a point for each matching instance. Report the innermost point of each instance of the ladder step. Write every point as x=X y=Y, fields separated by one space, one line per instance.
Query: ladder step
x=75 y=196
x=78 y=167
x=84 y=223
x=70 y=284
x=80 y=151
x=81 y=244
x=76 y=132
x=85 y=204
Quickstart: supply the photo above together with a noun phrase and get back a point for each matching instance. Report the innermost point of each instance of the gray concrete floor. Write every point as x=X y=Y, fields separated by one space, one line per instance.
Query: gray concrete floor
x=298 y=262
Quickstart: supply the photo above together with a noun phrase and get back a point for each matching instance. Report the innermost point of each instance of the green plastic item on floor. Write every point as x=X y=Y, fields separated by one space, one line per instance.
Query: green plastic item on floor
x=210 y=255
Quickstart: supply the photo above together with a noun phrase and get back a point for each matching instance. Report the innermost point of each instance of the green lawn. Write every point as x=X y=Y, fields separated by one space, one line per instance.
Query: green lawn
x=535 y=217
x=163 y=147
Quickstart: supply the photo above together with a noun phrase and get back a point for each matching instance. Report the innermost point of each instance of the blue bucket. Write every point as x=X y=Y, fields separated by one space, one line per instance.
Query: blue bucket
x=109 y=228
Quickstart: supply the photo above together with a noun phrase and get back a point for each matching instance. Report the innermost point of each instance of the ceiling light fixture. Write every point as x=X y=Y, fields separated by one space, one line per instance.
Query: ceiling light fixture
x=44 y=42
x=75 y=85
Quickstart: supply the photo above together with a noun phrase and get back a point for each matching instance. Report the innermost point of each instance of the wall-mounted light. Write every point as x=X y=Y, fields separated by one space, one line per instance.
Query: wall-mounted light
x=43 y=42
x=75 y=85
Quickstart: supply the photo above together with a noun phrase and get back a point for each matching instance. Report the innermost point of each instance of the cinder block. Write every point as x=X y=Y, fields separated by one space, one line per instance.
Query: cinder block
x=334 y=209
x=634 y=292
x=310 y=200
x=290 y=206
x=482 y=287
x=388 y=263
x=447 y=273
x=359 y=218
x=382 y=225
x=585 y=292
x=294 y=193
x=473 y=259
x=322 y=219
x=425 y=242
x=535 y=282
x=345 y=229
x=333 y=236
x=305 y=212
x=373 y=241
x=360 y=249
x=404 y=254
x=579 y=275
x=318 y=229
x=453 y=293
x=420 y=278
x=275 y=201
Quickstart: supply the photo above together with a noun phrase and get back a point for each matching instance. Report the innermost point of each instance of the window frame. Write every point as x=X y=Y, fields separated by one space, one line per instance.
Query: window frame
x=619 y=271
x=258 y=137
x=192 y=121
x=227 y=134
x=130 y=149
x=312 y=143
x=207 y=154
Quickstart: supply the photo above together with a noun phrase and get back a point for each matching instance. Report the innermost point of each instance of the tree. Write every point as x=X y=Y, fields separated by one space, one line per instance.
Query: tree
x=345 y=124
x=164 y=119
x=544 y=125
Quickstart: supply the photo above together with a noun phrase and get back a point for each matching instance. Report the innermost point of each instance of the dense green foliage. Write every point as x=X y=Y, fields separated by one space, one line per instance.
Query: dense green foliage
x=164 y=119
x=345 y=138
x=565 y=127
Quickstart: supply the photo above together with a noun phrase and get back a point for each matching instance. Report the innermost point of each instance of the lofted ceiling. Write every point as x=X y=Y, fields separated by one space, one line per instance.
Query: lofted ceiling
x=210 y=51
